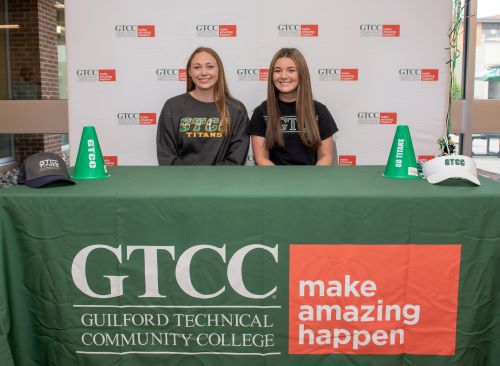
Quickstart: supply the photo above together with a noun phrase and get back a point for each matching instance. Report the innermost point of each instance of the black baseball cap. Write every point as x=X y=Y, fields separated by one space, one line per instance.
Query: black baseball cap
x=43 y=168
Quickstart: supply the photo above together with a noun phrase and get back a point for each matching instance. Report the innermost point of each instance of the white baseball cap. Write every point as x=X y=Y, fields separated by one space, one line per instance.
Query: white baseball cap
x=451 y=167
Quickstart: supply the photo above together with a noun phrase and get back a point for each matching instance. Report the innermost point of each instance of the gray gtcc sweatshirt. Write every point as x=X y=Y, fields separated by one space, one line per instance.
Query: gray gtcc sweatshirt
x=190 y=133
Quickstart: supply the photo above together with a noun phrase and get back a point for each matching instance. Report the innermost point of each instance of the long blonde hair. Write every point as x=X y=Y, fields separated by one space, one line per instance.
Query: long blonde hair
x=221 y=91
x=305 y=111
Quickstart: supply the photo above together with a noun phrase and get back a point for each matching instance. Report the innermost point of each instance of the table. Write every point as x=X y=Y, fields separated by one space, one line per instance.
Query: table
x=210 y=266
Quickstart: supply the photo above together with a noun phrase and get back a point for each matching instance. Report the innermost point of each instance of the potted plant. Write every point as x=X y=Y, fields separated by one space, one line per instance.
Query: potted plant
x=446 y=144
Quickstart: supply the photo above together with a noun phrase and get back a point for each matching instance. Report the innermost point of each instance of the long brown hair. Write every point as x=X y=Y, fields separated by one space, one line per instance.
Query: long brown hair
x=305 y=111
x=221 y=91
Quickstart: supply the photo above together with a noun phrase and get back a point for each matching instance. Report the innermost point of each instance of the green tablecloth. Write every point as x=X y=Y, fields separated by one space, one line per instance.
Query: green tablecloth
x=58 y=305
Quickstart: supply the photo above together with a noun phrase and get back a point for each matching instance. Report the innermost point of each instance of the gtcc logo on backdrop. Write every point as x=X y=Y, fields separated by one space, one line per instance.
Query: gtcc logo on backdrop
x=334 y=74
x=110 y=160
x=140 y=31
x=252 y=74
x=382 y=118
x=418 y=74
x=95 y=75
x=213 y=30
x=298 y=30
x=171 y=74
x=347 y=160
x=135 y=118
x=380 y=30
x=181 y=270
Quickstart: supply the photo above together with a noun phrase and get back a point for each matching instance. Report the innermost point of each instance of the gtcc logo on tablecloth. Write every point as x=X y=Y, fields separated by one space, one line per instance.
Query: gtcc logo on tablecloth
x=418 y=74
x=171 y=74
x=136 y=118
x=380 y=30
x=213 y=30
x=96 y=75
x=383 y=118
x=182 y=269
x=298 y=30
x=139 y=31
x=252 y=74
x=335 y=74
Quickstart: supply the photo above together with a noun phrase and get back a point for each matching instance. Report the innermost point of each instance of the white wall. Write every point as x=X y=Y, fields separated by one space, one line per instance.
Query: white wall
x=342 y=43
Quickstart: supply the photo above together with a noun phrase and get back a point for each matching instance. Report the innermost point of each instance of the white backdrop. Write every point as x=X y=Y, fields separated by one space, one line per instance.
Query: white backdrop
x=375 y=64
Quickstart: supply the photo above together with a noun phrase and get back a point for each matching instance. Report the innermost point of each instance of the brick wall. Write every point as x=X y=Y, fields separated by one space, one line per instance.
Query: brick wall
x=49 y=73
x=34 y=65
x=52 y=142
x=34 y=49
x=27 y=144
x=24 y=50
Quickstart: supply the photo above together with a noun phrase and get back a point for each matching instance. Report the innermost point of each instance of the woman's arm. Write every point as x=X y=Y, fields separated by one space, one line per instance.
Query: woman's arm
x=237 y=150
x=260 y=151
x=166 y=145
x=325 y=152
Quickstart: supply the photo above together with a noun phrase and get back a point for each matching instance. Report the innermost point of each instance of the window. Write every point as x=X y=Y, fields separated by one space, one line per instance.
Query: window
x=487 y=73
x=6 y=148
x=27 y=65
x=491 y=31
x=29 y=70
x=486 y=145
x=476 y=98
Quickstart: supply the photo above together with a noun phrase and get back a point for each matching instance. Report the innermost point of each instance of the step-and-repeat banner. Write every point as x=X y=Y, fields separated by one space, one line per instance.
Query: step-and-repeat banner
x=375 y=65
